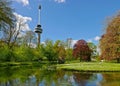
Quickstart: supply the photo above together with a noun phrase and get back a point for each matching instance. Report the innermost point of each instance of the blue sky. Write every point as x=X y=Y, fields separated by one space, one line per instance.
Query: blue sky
x=62 y=19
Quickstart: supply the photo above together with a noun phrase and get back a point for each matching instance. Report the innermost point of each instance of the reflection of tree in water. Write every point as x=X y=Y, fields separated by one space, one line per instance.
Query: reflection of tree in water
x=111 y=79
x=13 y=76
x=50 y=77
x=29 y=76
x=81 y=79
x=47 y=78
x=35 y=76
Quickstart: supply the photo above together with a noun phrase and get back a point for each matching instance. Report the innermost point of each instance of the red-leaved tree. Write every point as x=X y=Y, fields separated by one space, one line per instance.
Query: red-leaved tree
x=82 y=51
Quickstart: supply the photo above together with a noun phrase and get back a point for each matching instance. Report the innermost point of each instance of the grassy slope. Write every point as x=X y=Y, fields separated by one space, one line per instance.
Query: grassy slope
x=91 y=66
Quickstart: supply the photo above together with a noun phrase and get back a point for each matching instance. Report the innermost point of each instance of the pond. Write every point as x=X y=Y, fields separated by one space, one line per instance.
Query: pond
x=37 y=76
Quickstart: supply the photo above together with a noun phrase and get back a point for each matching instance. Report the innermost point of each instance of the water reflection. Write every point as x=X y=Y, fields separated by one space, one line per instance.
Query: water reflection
x=36 y=76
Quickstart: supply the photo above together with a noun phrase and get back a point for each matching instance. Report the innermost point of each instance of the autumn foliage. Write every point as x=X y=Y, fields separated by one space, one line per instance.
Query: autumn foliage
x=82 y=51
x=110 y=40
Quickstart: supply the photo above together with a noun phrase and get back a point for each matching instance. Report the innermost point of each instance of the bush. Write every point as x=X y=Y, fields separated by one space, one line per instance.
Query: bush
x=6 y=54
x=24 y=53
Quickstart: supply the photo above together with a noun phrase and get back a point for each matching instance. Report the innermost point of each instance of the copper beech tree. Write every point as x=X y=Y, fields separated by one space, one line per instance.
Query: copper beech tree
x=110 y=40
x=82 y=51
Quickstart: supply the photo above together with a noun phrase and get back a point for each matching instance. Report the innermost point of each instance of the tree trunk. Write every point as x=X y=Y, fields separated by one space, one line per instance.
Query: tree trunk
x=118 y=60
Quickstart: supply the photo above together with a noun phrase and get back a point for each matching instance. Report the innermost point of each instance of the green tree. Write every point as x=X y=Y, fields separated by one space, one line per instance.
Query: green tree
x=93 y=47
x=69 y=55
x=59 y=48
x=6 y=15
x=24 y=53
x=5 y=53
x=110 y=40
x=7 y=19
x=49 y=51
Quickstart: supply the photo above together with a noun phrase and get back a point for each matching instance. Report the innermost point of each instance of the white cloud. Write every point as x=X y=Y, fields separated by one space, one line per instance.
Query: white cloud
x=97 y=38
x=24 y=2
x=60 y=1
x=23 y=21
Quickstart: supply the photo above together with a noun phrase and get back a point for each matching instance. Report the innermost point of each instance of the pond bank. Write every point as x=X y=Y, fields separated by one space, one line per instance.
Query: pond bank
x=91 y=67
x=79 y=66
x=5 y=64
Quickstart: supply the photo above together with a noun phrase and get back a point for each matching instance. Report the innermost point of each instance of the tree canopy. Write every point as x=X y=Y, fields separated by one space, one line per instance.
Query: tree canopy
x=6 y=14
x=110 y=40
x=81 y=50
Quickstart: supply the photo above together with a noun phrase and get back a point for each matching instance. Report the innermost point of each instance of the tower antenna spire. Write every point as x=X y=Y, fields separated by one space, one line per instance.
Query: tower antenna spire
x=39 y=8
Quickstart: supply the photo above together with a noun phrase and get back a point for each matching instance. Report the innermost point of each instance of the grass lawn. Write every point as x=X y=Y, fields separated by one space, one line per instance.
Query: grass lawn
x=91 y=67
